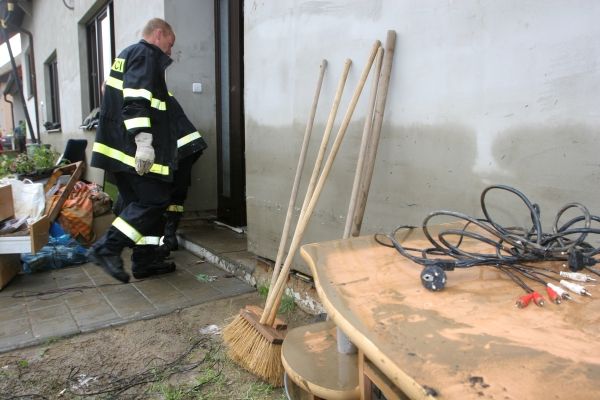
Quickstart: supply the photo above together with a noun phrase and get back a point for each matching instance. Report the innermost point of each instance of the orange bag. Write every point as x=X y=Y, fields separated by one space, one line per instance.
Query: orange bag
x=77 y=213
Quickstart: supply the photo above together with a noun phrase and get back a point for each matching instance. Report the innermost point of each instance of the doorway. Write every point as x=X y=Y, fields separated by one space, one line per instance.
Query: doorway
x=231 y=174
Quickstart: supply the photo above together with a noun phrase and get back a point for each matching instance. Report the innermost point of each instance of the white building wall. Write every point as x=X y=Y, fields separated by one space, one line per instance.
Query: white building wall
x=482 y=92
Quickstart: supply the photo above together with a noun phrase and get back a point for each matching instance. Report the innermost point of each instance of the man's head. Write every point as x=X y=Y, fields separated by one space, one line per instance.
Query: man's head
x=158 y=32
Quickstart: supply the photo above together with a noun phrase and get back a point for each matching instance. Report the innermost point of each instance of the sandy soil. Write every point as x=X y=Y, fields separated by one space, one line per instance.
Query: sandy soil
x=178 y=356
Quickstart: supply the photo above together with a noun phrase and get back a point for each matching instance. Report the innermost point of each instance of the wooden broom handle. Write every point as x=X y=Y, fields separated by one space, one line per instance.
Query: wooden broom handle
x=268 y=315
x=299 y=168
x=363 y=146
x=382 y=90
x=325 y=140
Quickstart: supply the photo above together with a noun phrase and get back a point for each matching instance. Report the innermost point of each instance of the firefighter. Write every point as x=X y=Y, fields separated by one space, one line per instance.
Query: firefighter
x=135 y=143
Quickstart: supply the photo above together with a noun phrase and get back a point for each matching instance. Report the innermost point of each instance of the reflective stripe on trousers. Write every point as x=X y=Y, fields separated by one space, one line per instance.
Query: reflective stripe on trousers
x=133 y=234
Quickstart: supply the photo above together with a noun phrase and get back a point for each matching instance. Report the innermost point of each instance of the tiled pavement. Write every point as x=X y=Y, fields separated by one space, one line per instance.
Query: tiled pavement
x=36 y=308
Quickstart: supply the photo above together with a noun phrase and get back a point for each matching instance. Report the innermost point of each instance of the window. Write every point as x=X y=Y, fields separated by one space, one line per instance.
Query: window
x=100 y=39
x=53 y=111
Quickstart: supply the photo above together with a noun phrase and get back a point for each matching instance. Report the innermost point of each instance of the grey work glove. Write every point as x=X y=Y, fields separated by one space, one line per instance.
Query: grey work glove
x=144 y=154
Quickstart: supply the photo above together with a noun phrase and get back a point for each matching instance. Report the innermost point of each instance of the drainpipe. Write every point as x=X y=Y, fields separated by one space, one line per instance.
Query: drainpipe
x=12 y=110
x=33 y=80
x=10 y=6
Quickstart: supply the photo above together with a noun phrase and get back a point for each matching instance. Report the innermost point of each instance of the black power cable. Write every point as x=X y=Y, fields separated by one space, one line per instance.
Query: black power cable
x=509 y=246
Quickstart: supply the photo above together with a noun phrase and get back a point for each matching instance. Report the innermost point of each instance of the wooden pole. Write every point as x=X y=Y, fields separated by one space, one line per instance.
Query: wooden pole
x=382 y=91
x=272 y=304
x=367 y=128
x=299 y=168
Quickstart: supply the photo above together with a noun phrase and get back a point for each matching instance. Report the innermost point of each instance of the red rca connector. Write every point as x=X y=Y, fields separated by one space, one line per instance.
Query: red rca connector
x=552 y=295
x=538 y=299
x=524 y=300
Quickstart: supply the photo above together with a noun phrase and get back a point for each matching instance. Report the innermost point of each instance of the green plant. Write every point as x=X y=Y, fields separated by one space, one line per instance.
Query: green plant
x=263 y=291
x=21 y=164
x=258 y=390
x=167 y=391
x=4 y=165
x=23 y=363
x=44 y=157
x=287 y=304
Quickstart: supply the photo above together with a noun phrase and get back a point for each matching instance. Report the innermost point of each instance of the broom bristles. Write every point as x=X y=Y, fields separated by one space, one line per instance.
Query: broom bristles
x=253 y=352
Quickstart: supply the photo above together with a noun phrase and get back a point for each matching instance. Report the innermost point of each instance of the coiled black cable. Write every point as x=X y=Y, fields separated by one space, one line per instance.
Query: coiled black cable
x=508 y=245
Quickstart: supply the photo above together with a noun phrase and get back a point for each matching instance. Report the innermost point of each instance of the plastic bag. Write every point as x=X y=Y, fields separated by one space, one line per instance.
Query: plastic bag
x=60 y=252
x=76 y=215
x=28 y=198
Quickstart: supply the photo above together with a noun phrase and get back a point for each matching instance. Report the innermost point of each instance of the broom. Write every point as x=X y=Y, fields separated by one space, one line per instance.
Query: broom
x=253 y=343
x=241 y=334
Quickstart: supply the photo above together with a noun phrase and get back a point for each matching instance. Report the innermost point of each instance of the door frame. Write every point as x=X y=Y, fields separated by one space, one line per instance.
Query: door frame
x=231 y=209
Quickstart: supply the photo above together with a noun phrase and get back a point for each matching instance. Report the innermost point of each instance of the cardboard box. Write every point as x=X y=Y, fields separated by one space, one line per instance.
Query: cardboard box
x=101 y=224
x=37 y=236
x=24 y=241
x=10 y=265
x=6 y=202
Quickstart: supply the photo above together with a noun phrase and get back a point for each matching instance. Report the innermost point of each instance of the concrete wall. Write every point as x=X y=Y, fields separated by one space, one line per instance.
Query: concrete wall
x=482 y=92
x=194 y=62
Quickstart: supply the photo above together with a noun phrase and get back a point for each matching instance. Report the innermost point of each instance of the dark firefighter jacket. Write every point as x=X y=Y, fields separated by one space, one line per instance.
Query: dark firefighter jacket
x=135 y=100
x=189 y=140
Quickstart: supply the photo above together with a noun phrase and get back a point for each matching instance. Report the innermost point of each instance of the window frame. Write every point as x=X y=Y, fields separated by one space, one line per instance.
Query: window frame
x=51 y=68
x=95 y=45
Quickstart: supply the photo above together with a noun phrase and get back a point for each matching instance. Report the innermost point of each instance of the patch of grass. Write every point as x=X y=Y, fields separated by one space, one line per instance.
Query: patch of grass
x=263 y=291
x=23 y=363
x=287 y=304
x=169 y=392
x=257 y=390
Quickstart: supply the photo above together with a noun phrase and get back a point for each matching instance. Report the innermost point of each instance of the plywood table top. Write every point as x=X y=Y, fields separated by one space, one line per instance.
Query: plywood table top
x=467 y=341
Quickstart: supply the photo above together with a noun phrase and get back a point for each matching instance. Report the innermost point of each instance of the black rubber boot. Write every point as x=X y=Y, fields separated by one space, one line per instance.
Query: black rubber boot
x=111 y=263
x=146 y=261
x=170 y=238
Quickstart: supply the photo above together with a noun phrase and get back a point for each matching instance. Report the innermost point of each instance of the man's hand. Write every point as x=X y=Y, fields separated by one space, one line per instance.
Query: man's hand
x=144 y=154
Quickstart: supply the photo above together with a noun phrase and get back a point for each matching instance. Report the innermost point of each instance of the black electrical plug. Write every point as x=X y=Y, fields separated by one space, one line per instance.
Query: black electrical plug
x=433 y=278
x=578 y=260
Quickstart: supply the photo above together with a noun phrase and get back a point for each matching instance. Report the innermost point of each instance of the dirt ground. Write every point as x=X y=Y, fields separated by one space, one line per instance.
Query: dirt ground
x=177 y=356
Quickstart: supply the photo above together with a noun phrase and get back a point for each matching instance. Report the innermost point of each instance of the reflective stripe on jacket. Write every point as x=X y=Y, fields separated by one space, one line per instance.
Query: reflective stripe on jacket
x=189 y=140
x=135 y=100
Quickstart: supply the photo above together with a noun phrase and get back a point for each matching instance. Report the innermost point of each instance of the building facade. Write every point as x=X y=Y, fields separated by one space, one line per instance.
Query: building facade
x=481 y=92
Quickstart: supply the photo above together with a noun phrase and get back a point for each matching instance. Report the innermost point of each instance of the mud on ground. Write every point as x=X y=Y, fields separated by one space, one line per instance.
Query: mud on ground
x=177 y=356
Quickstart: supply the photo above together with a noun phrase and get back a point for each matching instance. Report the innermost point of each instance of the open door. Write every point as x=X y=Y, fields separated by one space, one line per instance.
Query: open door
x=231 y=208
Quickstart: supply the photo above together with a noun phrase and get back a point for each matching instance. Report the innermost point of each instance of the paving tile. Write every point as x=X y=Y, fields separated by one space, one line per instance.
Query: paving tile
x=231 y=286
x=50 y=312
x=14 y=327
x=88 y=297
x=53 y=327
x=218 y=239
x=14 y=333
x=99 y=314
x=203 y=294
x=7 y=300
x=45 y=301
x=71 y=277
x=160 y=293
x=12 y=311
x=127 y=301
x=37 y=282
